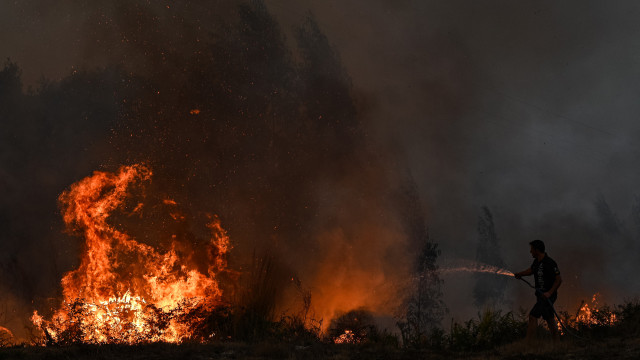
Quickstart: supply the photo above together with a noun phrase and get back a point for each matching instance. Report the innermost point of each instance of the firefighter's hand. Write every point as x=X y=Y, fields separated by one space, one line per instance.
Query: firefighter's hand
x=547 y=294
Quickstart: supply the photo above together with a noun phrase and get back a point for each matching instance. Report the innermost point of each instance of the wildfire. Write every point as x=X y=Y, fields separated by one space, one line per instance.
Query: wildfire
x=6 y=336
x=592 y=315
x=347 y=338
x=125 y=291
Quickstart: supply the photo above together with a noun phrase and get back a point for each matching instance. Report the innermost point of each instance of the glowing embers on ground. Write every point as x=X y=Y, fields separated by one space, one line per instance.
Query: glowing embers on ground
x=126 y=291
x=347 y=338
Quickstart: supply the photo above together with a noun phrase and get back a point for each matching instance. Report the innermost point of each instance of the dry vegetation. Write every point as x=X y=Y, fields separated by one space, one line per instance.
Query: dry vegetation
x=491 y=336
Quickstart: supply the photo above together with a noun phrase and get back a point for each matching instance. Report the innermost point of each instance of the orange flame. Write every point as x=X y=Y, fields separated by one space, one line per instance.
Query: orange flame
x=348 y=337
x=122 y=285
x=590 y=315
x=6 y=336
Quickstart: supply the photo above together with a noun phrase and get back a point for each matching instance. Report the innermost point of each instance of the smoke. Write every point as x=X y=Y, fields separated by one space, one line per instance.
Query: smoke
x=525 y=107
x=231 y=119
x=306 y=128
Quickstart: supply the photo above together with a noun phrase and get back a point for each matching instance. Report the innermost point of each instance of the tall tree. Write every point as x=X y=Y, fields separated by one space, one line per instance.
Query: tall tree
x=423 y=308
x=489 y=289
x=608 y=220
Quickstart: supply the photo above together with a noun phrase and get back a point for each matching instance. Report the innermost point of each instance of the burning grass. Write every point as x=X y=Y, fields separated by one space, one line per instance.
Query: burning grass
x=130 y=291
x=492 y=335
x=126 y=291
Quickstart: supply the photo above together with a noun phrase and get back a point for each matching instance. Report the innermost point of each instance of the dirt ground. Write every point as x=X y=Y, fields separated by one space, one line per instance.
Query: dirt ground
x=611 y=348
x=593 y=349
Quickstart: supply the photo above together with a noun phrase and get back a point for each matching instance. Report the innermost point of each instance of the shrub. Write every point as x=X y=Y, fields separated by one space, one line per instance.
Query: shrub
x=254 y=308
x=490 y=330
x=353 y=327
x=629 y=318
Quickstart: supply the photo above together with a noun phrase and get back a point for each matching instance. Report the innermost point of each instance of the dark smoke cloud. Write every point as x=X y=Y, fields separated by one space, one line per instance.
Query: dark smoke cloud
x=232 y=119
x=525 y=107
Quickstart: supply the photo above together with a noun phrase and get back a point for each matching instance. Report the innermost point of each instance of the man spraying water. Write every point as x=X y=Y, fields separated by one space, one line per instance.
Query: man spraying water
x=547 y=281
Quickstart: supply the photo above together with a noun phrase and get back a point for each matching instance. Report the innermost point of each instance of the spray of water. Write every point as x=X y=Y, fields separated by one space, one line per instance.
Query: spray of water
x=474 y=267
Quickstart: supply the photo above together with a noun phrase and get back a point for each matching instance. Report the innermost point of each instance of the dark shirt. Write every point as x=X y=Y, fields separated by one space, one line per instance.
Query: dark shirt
x=545 y=273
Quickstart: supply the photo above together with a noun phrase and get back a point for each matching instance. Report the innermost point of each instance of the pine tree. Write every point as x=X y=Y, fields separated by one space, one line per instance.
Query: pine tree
x=423 y=308
x=489 y=289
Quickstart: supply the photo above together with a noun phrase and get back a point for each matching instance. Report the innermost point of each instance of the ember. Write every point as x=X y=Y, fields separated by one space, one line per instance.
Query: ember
x=347 y=338
x=125 y=291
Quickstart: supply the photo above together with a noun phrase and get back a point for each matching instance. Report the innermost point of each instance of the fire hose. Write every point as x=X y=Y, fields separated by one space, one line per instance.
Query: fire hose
x=541 y=295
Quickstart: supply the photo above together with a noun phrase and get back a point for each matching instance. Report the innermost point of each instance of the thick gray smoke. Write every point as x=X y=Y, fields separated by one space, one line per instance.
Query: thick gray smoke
x=527 y=108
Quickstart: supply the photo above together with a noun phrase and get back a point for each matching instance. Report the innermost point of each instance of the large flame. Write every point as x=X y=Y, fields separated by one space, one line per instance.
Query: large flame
x=126 y=291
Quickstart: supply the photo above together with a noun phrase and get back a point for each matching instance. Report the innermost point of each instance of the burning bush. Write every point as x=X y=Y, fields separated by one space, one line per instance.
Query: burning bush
x=593 y=315
x=127 y=291
x=6 y=337
x=594 y=319
x=352 y=327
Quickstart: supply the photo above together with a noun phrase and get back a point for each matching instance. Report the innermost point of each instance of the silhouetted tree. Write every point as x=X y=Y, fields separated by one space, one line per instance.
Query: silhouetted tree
x=489 y=288
x=423 y=308
x=609 y=221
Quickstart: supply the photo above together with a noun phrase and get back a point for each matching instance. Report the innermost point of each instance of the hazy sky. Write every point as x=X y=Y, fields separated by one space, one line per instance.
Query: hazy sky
x=527 y=107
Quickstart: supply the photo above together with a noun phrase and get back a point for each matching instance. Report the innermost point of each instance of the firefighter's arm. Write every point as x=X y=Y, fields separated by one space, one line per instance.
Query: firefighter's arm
x=556 y=285
x=522 y=273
